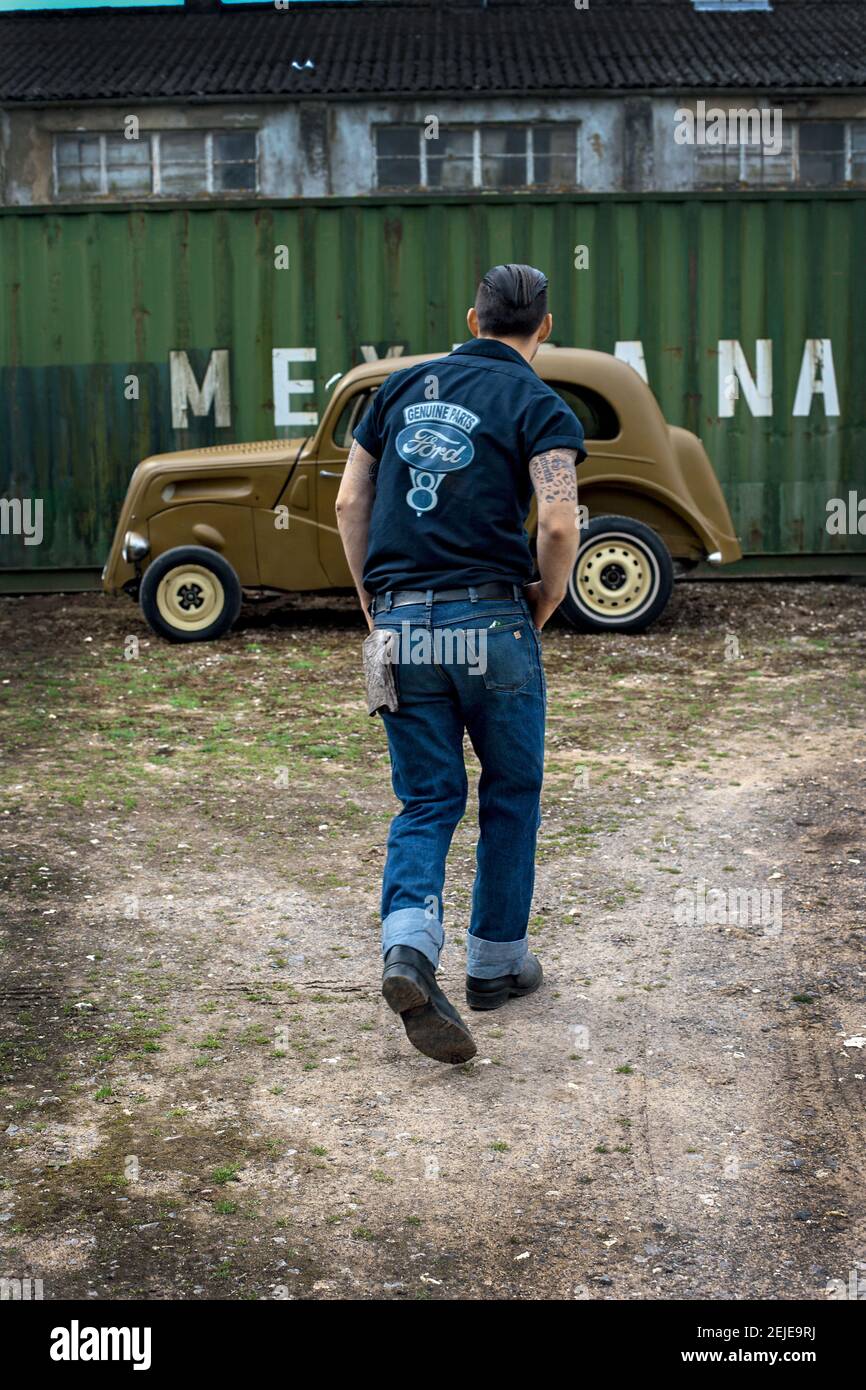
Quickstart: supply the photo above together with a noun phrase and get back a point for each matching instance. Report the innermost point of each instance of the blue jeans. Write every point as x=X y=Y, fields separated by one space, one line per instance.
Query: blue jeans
x=474 y=667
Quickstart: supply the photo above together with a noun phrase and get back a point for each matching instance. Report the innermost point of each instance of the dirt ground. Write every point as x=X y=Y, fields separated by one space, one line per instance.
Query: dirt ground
x=203 y=1093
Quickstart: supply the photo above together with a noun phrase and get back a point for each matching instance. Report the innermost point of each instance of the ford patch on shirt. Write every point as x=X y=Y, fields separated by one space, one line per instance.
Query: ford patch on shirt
x=433 y=445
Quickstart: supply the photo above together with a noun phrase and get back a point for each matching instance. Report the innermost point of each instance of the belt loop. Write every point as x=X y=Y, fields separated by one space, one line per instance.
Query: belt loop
x=515 y=591
x=389 y=600
x=428 y=608
x=473 y=594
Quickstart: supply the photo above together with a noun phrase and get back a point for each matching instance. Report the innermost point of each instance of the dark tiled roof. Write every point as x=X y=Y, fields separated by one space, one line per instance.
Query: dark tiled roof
x=453 y=47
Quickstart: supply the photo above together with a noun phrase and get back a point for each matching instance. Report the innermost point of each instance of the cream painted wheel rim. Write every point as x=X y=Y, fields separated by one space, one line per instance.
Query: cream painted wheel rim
x=190 y=598
x=614 y=578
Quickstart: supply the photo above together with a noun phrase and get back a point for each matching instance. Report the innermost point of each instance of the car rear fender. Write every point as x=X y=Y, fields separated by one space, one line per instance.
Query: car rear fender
x=709 y=510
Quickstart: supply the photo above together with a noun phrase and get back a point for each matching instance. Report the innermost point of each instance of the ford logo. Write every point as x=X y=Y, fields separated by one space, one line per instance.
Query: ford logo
x=436 y=447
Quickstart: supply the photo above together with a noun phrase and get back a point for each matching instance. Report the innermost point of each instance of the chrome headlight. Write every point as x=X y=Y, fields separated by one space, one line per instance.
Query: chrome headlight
x=135 y=547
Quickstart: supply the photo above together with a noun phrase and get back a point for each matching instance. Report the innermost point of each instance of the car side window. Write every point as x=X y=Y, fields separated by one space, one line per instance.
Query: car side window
x=351 y=415
x=597 y=415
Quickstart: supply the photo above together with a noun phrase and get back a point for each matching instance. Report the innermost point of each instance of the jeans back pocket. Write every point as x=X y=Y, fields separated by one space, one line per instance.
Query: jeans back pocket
x=506 y=655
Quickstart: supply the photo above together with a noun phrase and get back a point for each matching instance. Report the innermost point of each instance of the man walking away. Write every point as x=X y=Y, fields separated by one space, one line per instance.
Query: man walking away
x=431 y=511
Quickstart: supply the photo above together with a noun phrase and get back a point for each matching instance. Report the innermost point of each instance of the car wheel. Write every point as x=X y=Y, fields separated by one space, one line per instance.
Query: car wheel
x=190 y=594
x=622 y=578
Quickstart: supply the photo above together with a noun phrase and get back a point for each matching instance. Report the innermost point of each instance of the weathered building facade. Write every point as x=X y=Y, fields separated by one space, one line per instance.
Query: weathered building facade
x=351 y=100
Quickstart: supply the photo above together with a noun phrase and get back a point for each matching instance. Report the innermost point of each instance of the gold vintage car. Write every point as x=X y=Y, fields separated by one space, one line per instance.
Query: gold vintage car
x=201 y=526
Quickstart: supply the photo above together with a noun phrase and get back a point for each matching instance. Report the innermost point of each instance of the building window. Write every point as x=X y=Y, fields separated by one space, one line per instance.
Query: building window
x=182 y=163
x=814 y=154
x=501 y=155
x=398 y=156
x=761 y=168
x=127 y=165
x=234 y=161
x=166 y=163
x=77 y=165
x=554 y=154
x=450 y=160
x=504 y=156
x=822 y=153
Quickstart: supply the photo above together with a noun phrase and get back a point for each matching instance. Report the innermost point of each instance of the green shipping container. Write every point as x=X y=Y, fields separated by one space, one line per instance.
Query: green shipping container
x=94 y=301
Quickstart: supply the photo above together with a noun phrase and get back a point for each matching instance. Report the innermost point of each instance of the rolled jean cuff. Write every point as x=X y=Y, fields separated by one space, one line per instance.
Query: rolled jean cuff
x=486 y=960
x=412 y=926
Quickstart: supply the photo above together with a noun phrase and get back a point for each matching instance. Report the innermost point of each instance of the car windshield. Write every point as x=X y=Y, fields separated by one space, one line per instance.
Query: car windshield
x=351 y=415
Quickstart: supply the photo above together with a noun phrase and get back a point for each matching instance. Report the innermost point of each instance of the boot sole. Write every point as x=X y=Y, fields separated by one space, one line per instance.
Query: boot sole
x=428 y=1030
x=403 y=989
x=437 y=1036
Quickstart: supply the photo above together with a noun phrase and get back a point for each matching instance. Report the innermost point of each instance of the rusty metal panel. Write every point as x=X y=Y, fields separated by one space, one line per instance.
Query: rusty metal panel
x=93 y=302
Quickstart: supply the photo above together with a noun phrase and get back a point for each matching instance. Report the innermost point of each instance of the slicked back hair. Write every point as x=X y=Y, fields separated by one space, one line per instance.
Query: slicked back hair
x=511 y=301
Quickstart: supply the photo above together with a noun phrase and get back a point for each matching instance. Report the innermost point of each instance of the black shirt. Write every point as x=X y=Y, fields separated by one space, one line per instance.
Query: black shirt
x=454 y=437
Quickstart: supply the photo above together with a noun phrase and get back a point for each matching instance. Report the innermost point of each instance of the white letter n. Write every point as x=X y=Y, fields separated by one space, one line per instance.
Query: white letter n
x=732 y=362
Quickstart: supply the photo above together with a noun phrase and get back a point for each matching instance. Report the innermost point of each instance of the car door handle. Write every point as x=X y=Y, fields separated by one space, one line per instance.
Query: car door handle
x=326 y=473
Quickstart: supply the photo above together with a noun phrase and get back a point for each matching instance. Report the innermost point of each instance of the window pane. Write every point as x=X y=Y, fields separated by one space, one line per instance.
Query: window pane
x=183 y=146
x=120 y=151
x=398 y=163
x=764 y=169
x=449 y=160
x=183 y=163
x=717 y=166
x=821 y=170
x=230 y=178
x=555 y=149
x=78 y=180
x=128 y=164
x=77 y=149
x=78 y=164
x=184 y=178
x=824 y=136
x=398 y=173
x=822 y=153
x=401 y=140
x=503 y=156
x=232 y=147
x=858 y=137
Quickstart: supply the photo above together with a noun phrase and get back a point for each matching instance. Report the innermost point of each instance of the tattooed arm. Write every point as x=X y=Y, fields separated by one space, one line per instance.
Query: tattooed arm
x=354 y=505
x=555 y=483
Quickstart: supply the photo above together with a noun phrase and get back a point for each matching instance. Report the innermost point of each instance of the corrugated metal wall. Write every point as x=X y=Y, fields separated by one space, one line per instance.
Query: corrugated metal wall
x=88 y=297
